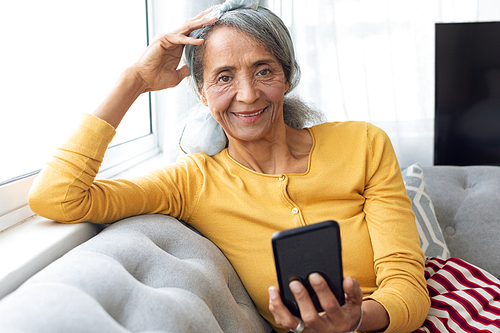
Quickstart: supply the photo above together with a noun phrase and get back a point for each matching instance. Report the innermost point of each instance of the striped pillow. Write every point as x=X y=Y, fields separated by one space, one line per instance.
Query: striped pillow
x=431 y=237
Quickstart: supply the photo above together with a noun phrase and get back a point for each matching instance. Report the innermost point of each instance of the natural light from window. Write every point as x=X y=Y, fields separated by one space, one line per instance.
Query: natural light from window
x=59 y=59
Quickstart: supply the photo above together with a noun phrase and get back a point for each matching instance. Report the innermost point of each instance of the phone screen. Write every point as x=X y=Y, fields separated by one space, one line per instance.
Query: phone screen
x=301 y=251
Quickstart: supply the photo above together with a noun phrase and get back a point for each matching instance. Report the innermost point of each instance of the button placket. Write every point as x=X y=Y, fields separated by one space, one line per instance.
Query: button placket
x=283 y=179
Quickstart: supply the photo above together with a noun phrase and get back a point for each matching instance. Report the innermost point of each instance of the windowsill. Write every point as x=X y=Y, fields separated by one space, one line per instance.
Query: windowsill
x=29 y=246
x=35 y=243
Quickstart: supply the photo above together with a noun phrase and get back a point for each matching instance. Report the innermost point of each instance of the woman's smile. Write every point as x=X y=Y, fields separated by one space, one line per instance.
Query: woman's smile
x=250 y=116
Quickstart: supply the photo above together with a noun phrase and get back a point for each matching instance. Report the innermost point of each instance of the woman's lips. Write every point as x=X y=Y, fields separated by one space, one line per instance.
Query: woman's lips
x=249 y=113
x=250 y=116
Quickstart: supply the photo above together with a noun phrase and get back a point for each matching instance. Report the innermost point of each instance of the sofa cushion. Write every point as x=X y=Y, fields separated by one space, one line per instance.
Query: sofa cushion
x=431 y=237
x=467 y=205
x=142 y=274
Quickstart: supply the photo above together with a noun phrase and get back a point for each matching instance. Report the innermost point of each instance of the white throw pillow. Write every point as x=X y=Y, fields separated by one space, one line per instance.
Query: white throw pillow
x=431 y=236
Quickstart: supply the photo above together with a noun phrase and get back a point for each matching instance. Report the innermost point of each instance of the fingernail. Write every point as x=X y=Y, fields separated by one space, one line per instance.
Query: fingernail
x=273 y=293
x=295 y=287
x=315 y=278
x=348 y=282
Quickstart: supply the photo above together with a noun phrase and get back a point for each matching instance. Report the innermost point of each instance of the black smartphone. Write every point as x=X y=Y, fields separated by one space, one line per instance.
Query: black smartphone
x=304 y=250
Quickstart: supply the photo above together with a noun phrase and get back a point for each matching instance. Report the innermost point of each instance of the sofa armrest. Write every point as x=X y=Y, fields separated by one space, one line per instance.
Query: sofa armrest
x=145 y=273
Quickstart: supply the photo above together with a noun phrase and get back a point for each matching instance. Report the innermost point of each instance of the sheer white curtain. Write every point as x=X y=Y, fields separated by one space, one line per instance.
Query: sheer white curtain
x=373 y=60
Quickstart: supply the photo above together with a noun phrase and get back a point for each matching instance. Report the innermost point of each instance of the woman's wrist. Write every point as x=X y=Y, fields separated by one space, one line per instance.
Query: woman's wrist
x=374 y=316
x=122 y=96
x=359 y=322
x=132 y=75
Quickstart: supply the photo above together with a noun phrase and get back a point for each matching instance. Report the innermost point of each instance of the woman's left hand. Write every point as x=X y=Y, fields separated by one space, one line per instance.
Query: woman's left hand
x=335 y=318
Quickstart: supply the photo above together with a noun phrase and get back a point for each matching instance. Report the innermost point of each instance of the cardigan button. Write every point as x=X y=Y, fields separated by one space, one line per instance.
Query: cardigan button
x=282 y=178
x=295 y=211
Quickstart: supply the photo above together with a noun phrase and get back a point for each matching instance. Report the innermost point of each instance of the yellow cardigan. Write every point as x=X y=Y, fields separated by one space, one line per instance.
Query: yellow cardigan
x=353 y=177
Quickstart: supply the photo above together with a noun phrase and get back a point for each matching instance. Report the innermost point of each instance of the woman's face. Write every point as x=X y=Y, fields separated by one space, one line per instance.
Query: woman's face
x=243 y=85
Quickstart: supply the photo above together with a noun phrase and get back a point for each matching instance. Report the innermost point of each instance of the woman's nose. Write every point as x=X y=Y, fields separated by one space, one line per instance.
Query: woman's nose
x=247 y=92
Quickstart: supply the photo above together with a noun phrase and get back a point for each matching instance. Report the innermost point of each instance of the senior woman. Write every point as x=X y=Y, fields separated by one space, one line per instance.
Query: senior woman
x=270 y=177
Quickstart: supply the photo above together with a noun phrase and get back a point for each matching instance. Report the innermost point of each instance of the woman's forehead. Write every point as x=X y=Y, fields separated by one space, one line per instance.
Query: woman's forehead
x=227 y=44
x=225 y=36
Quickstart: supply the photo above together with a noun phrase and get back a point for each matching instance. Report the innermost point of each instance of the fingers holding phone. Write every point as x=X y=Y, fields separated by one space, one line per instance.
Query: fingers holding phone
x=333 y=318
x=282 y=316
x=347 y=317
x=301 y=251
x=308 y=263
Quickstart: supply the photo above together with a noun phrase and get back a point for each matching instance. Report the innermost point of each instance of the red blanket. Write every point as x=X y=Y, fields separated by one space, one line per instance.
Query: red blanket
x=464 y=298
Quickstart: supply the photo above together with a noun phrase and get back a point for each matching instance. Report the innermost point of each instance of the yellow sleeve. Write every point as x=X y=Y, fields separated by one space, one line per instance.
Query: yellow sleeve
x=66 y=189
x=398 y=259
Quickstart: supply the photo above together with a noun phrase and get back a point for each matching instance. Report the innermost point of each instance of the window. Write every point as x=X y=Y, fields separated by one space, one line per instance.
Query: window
x=60 y=58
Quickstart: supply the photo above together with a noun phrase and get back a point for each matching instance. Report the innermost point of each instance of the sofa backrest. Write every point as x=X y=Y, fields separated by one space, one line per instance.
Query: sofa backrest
x=467 y=205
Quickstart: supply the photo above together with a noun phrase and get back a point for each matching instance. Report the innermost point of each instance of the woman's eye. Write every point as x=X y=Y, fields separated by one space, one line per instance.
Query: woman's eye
x=224 y=78
x=264 y=72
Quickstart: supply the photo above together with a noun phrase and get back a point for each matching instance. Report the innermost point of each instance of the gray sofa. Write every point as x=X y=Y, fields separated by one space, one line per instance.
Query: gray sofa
x=142 y=274
x=155 y=274
x=467 y=205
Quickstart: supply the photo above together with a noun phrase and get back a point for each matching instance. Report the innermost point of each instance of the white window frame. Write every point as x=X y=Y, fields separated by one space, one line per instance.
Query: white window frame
x=14 y=193
x=29 y=242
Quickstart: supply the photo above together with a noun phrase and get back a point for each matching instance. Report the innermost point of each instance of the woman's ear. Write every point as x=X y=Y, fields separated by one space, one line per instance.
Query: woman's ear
x=203 y=99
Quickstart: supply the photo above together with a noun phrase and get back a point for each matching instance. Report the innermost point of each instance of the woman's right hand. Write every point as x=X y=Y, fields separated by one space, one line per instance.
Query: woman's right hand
x=157 y=68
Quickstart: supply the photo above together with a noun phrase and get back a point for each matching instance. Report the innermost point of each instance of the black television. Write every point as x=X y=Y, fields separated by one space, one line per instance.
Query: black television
x=467 y=94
